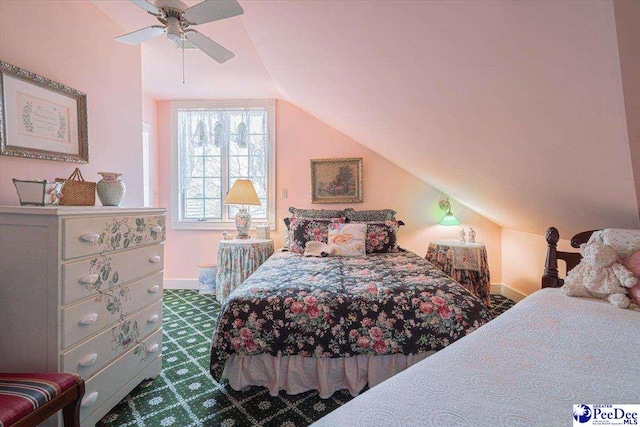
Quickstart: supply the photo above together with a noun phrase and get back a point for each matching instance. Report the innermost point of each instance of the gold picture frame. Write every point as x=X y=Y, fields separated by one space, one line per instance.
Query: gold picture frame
x=336 y=180
x=40 y=118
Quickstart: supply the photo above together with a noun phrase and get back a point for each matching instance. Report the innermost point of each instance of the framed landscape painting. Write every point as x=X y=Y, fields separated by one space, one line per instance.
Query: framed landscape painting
x=336 y=180
x=40 y=118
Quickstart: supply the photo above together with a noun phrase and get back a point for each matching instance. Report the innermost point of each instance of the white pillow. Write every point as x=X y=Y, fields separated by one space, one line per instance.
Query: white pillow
x=347 y=239
x=624 y=241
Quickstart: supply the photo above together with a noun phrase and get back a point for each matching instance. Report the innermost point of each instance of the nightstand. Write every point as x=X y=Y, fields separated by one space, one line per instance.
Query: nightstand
x=237 y=260
x=465 y=263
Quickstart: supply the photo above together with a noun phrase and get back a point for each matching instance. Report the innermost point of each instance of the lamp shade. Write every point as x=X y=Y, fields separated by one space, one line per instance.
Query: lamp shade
x=242 y=193
x=449 y=219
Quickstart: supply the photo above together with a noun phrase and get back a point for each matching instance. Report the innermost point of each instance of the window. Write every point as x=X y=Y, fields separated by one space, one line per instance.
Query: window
x=213 y=144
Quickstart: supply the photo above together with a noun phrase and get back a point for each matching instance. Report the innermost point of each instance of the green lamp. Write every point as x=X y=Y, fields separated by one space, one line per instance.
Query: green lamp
x=448 y=219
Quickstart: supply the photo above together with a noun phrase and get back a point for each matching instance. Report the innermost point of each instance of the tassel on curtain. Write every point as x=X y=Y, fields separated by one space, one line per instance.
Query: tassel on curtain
x=242 y=131
x=200 y=136
x=218 y=134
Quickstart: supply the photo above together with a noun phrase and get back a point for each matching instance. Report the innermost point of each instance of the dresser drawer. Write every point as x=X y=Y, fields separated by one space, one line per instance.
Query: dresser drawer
x=82 y=278
x=109 y=380
x=82 y=320
x=89 y=236
x=92 y=355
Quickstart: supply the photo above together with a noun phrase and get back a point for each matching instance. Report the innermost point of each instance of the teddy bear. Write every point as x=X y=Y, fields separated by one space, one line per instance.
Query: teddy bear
x=599 y=276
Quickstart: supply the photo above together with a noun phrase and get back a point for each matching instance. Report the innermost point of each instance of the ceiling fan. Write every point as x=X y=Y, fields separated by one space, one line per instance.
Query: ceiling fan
x=177 y=18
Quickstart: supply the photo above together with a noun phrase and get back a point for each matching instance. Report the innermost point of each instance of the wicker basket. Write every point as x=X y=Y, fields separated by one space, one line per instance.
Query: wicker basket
x=78 y=192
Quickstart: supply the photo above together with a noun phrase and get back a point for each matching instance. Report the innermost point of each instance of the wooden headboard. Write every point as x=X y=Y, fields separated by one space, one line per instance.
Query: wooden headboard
x=550 y=277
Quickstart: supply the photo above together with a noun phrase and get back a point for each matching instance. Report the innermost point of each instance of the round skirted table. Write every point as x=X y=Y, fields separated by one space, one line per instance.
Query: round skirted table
x=237 y=260
x=466 y=263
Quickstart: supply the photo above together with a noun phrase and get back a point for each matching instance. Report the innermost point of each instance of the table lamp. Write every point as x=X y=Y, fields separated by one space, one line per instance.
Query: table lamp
x=242 y=193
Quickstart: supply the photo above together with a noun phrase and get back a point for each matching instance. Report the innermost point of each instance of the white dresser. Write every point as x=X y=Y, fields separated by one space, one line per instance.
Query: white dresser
x=81 y=291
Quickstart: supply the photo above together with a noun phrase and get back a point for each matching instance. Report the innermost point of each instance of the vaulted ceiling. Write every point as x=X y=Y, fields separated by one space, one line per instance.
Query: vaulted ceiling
x=516 y=109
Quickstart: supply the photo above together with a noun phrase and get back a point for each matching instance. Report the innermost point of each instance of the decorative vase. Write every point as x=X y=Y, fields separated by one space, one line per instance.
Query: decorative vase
x=111 y=189
x=243 y=223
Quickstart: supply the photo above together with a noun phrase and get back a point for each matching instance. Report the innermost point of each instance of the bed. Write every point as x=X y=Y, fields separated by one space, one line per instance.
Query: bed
x=326 y=324
x=528 y=367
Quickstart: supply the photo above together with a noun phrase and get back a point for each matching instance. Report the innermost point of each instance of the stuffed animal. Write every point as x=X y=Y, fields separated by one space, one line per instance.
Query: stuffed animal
x=599 y=276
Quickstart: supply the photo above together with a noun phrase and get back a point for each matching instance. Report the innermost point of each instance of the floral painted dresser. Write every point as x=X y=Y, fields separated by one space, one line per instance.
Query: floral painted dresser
x=81 y=291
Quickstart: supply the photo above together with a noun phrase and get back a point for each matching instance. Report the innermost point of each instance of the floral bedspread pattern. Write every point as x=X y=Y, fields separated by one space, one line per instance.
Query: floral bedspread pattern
x=394 y=303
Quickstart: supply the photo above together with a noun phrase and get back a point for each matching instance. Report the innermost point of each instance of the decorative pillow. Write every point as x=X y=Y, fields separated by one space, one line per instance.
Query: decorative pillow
x=624 y=241
x=316 y=213
x=307 y=229
x=347 y=239
x=382 y=236
x=634 y=294
x=371 y=215
x=633 y=264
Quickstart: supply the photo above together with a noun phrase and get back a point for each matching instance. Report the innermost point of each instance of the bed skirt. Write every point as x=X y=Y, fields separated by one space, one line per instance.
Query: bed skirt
x=297 y=374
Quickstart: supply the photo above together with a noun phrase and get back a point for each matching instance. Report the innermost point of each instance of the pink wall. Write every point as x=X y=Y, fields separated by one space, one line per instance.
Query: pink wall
x=627 y=15
x=494 y=102
x=71 y=42
x=301 y=137
x=150 y=117
x=523 y=256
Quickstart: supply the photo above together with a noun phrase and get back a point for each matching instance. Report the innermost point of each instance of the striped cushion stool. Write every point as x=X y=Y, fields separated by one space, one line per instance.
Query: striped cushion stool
x=29 y=399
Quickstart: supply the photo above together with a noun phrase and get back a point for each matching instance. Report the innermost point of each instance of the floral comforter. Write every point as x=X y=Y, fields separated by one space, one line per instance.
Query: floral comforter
x=344 y=306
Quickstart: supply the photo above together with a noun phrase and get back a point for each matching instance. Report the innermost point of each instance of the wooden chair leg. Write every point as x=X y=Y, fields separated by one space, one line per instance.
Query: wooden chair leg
x=71 y=412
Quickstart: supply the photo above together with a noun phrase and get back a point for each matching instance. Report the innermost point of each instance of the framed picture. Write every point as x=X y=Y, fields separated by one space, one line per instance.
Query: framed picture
x=336 y=180
x=40 y=118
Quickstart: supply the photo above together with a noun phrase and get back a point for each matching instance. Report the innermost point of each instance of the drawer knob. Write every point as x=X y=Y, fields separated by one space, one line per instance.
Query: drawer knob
x=156 y=229
x=88 y=360
x=89 y=399
x=90 y=237
x=153 y=348
x=153 y=319
x=89 y=319
x=154 y=259
x=154 y=289
x=89 y=279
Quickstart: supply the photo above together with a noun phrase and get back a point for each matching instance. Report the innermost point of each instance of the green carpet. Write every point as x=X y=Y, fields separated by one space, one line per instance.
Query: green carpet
x=186 y=395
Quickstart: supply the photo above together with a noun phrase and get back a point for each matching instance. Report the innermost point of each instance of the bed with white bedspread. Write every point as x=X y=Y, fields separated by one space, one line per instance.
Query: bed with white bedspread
x=525 y=368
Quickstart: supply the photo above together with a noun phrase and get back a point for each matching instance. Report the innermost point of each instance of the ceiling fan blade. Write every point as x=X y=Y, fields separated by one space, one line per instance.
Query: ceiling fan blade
x=208 y=46
x=184 y=43
x=142 y=35
x=144 y=4
x=212 y=10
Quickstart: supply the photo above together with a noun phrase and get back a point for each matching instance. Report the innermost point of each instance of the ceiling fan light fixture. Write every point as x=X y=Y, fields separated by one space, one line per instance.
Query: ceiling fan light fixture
x=174 y=31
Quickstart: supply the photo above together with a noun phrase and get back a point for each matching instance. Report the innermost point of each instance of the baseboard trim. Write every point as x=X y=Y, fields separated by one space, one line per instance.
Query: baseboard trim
x=181 y=284
x=506 y=291
x=496 y=289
